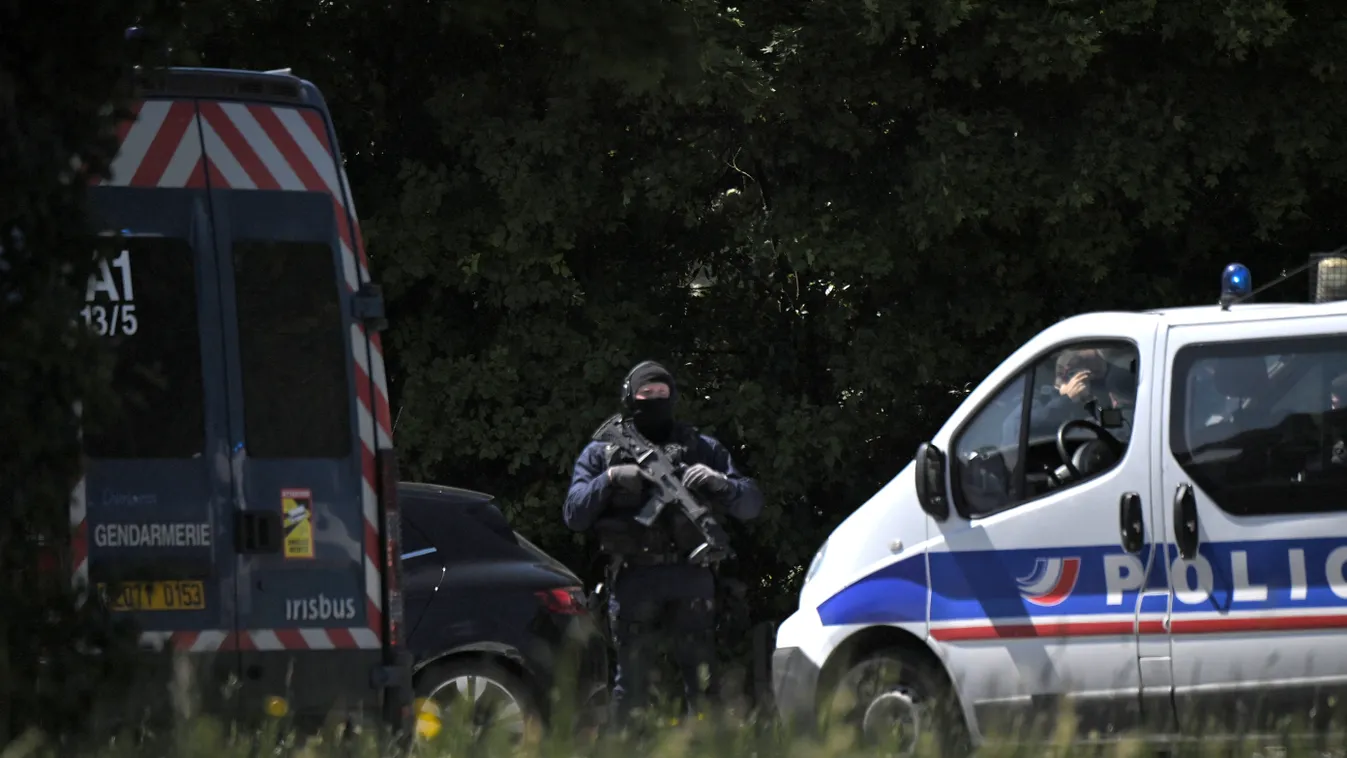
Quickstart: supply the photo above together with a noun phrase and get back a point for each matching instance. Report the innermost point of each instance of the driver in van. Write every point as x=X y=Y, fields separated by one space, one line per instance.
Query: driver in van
x=1080 y=379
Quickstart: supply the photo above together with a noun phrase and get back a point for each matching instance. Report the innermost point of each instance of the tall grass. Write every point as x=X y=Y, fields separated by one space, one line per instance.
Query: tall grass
x=720 y=732
x=710 y=736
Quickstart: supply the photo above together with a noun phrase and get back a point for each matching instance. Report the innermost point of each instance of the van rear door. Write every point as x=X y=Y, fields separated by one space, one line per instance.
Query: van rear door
x=150 y=518
x=299 y=373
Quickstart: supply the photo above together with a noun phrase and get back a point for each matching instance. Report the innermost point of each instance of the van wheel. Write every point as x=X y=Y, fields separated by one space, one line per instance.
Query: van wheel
x=485 y=696
x=900 y=704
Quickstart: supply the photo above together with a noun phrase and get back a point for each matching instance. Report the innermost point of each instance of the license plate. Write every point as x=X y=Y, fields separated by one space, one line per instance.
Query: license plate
x=156 y=596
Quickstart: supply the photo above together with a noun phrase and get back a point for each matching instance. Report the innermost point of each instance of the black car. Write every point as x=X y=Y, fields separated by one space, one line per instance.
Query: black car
x=490 y=617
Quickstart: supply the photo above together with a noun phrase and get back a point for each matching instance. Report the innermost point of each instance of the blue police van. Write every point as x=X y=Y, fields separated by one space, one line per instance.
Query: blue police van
x=239 y=502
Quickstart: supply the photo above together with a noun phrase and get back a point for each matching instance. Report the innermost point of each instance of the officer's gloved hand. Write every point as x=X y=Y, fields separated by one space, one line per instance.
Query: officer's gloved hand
x=627 y=477
x=703 y=478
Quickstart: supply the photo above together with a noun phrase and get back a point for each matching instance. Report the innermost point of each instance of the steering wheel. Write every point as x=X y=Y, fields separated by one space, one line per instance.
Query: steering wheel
x=1101 y=435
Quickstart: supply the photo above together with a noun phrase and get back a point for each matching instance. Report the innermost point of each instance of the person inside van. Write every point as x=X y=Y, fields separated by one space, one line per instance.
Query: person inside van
x=1083 y=382
x=1337 y=404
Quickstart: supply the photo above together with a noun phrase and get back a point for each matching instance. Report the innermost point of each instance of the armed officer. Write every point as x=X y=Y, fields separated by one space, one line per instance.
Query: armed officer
x=662 y=588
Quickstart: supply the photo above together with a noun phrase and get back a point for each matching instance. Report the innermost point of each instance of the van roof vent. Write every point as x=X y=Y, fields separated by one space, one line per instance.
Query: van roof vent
x=1328 y=276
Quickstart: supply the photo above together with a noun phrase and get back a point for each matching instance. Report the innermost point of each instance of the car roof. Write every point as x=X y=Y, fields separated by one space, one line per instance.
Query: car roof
x=458 y=495
x=1213 y=314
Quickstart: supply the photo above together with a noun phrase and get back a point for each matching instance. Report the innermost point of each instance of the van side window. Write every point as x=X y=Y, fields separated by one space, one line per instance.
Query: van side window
x=999 y=461
x=1261 y=427
x=414 y=541
x=292 y=350
x=986 y=454
x=142 y=299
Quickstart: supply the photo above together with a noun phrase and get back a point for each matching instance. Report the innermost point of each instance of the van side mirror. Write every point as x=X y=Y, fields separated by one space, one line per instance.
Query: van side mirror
x=930 y=477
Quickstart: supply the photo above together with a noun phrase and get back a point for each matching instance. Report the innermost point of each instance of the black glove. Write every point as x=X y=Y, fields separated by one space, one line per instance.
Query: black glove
x=706 y=479
x=628 y=478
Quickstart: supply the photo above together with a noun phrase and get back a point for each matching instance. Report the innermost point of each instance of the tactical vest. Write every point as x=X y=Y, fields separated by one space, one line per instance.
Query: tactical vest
x=618 y=531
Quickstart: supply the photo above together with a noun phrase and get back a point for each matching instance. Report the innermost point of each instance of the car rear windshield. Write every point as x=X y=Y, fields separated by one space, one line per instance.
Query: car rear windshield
x=537 y=553
x=142 y=299
x=296 y=393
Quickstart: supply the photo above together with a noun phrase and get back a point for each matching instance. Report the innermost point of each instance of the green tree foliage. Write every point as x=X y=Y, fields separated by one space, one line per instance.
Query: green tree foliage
x=59 y=82
x=887 y=194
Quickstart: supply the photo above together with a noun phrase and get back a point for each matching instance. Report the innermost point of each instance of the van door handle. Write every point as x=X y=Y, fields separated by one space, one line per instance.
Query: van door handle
x=257 y=532
x=1131 y=522
x=1185 y=521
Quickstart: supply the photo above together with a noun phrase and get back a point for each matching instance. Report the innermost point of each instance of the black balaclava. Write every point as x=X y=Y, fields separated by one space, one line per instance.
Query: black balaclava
x=653 y=416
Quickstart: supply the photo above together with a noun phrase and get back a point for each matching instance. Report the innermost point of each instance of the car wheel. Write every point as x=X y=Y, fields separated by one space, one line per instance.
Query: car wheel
x=483 y=694
x=897 y=703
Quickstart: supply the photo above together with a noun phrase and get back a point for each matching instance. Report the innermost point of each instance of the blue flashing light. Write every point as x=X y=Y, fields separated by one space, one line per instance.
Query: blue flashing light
x=1236 y=281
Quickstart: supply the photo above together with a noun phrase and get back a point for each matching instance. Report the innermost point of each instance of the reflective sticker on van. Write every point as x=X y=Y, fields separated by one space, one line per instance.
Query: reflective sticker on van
x=297 y=512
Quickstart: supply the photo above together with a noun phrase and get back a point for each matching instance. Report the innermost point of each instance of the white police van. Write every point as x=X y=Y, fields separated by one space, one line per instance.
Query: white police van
x=1137 y=518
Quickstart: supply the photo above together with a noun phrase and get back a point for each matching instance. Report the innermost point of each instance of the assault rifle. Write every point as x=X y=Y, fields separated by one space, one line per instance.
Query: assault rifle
x=667 y=488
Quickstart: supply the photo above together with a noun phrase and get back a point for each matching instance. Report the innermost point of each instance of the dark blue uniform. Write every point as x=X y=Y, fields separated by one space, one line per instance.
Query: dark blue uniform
x=658 y=597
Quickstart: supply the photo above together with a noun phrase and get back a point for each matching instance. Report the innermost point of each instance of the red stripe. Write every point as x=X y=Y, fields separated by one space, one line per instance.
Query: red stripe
x=1031 y=630
x=341 y=638
x=240 y=641
x=367 y=466
x=343 y=229
x=316 y=125
x=381 y=413
x=1152 y=626
x=303 y=167
x=377 y=347
x=1148 y=627
x=360 y=246
x=197 y=179
x=165 y=144
x=213 y=174
x=288 y=148
x=291 y=639
x=299 y=162
x=79 y=543
x=371 y=529
x=1259 y=624
x=372 y=544
x=238 y=146
x=184 y=640
x=124 y=126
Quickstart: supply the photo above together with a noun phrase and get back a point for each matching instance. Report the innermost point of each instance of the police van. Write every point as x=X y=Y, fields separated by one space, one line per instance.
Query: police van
x=239 y=501
x=1137 y=519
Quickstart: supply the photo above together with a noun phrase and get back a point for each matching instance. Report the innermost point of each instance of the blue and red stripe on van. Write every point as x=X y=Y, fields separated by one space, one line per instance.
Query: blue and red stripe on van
x=1092 y=591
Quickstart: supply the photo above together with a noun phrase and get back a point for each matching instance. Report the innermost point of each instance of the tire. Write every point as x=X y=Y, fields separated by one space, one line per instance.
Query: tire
x=504 y=702
x=899 y=703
